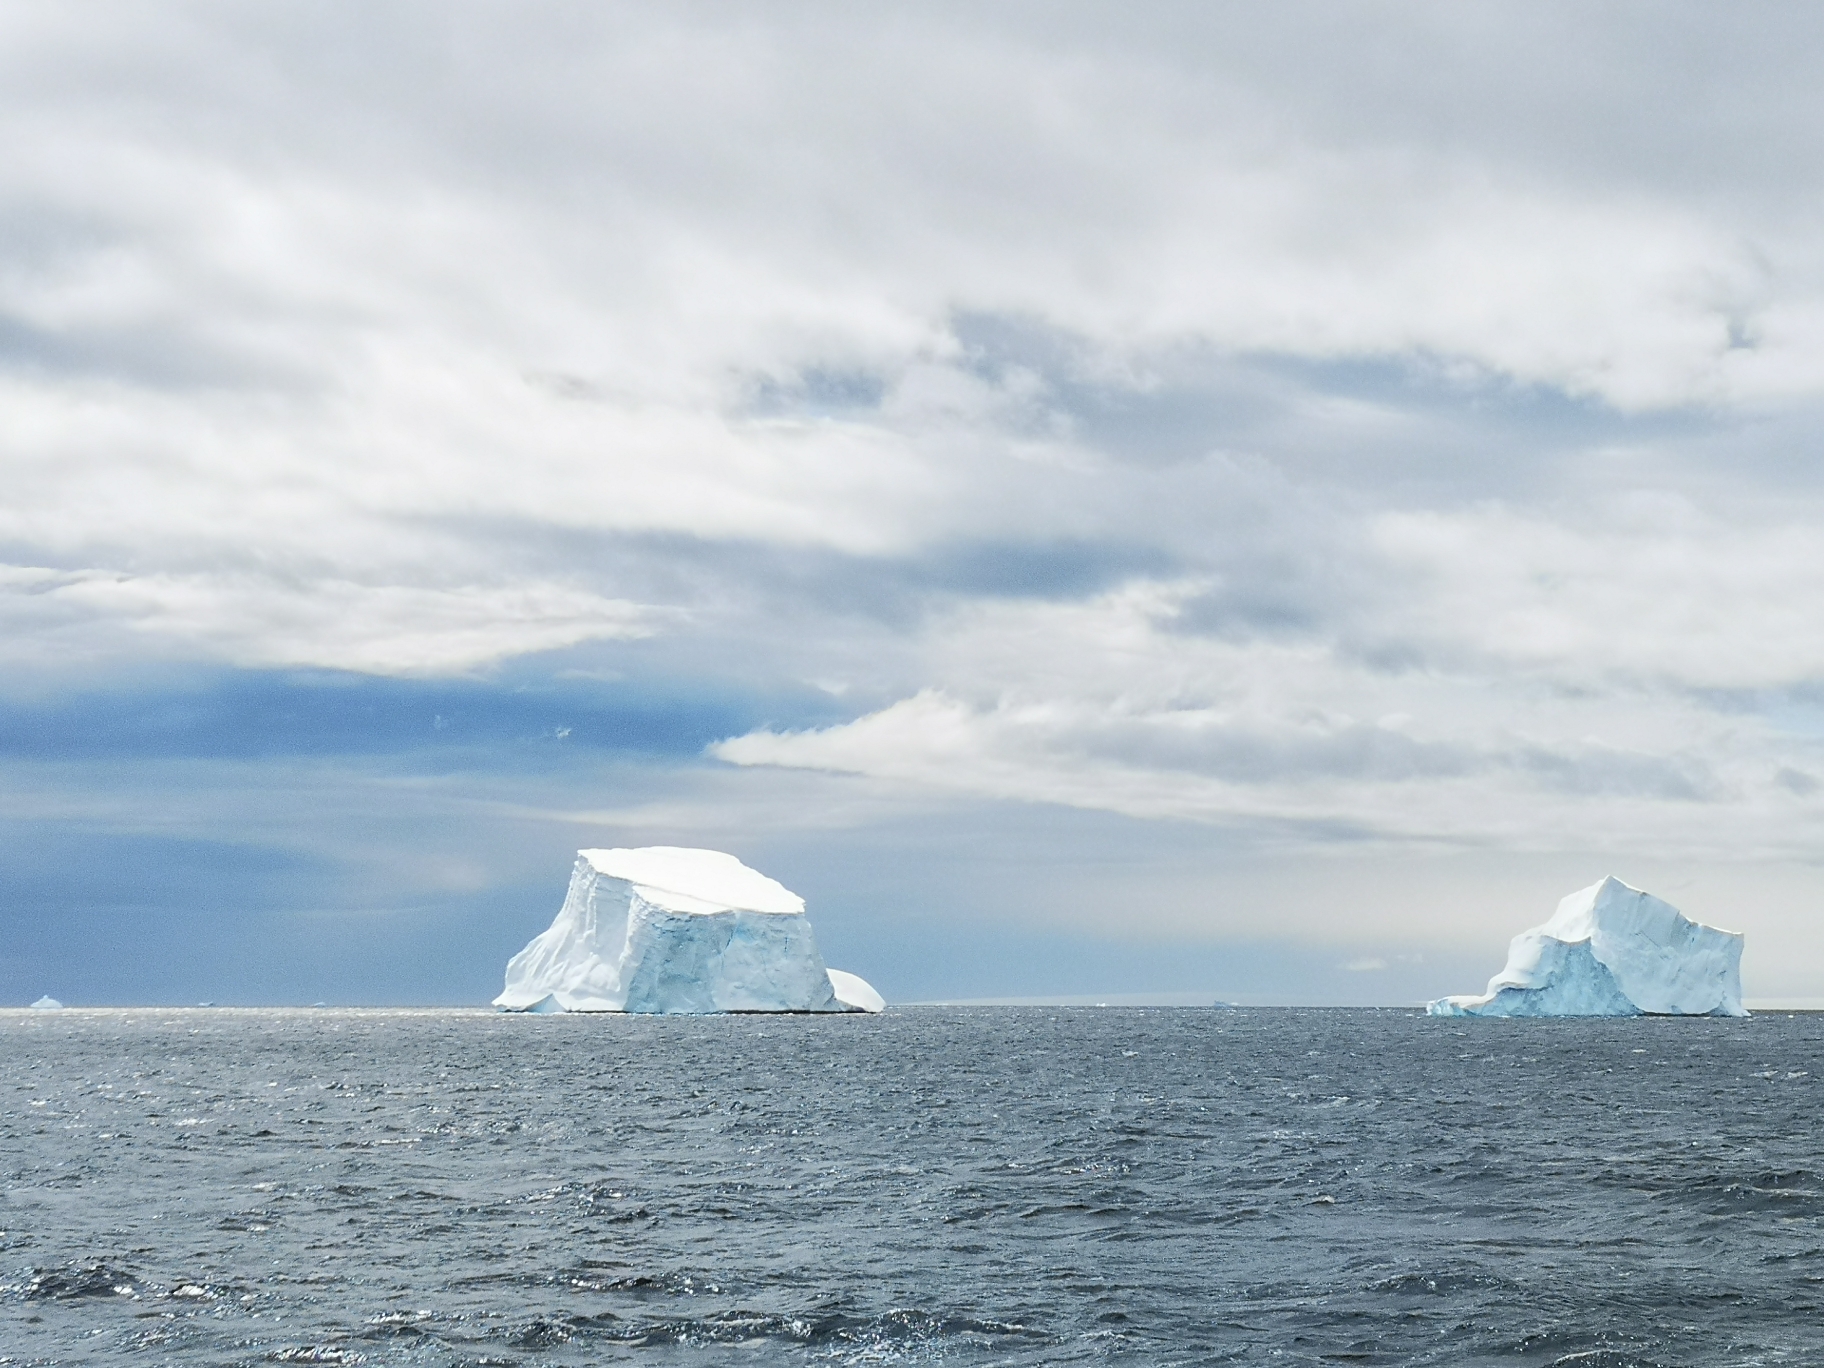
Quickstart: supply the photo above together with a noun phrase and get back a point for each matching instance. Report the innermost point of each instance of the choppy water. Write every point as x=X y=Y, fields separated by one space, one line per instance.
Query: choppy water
x=1024 y=1186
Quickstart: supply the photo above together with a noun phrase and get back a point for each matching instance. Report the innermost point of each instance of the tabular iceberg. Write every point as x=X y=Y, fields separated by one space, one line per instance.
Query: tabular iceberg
x=672 y=930
x=1611 y=950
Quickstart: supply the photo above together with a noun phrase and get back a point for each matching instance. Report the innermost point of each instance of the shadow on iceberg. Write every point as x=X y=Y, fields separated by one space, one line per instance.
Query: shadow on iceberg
x=666 y=929
x=1611 y=950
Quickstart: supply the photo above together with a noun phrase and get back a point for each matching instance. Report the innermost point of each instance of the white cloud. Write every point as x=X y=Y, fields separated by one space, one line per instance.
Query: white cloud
x=280 y=622
x=1652 y=589
x=410 y=338
x=1505 y=729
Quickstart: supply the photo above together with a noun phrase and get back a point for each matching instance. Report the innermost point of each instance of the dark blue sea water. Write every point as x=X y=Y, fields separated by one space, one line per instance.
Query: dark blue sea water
x=1018 y=1186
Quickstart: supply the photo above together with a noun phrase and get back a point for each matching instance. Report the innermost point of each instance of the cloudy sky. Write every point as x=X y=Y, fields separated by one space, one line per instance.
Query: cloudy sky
x=1251 y=502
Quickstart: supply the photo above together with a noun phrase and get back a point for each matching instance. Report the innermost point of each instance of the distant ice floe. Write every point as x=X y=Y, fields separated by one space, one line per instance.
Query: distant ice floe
x=667 y=929
x=1612 y=950
x=47 y=1003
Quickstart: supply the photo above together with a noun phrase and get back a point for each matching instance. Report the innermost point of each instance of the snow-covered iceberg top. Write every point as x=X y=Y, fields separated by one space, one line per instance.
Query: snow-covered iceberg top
x=1612 y=950
x=47 y=1003
x=697 y=882
x=671 y=929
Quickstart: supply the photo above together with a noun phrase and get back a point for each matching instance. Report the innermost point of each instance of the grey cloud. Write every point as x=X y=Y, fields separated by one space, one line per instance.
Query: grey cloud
x=717 y=576
x=1276 y=596
x=1797 y=781
x=1594 y=771
x=1412 y=70
x=1248 y=752
x=1409 y=426
x=816 y=392
x=1662 y=96
x=1243 y=754
x=1176 y=408
x=146 y=354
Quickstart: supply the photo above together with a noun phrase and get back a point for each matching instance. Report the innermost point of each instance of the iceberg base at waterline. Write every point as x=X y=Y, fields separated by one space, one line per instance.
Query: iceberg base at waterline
x=1612 y=950
x=667 y=929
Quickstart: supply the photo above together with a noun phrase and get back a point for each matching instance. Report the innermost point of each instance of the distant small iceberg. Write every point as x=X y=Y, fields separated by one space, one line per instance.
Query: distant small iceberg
x=47 y=1003
x=1612 y=950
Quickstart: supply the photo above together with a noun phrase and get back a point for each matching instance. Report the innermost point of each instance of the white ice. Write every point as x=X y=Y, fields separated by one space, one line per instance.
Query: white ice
x=1612 y=950
x=46 y=1004
x=855 y=993
x=667 y=929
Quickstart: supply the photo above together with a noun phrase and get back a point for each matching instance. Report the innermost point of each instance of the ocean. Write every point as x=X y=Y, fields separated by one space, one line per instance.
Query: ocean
x=937 y=1185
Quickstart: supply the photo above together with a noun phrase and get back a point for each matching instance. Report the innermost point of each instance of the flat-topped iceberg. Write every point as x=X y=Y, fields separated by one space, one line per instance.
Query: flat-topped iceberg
x=673 y=930
x=1611 y=950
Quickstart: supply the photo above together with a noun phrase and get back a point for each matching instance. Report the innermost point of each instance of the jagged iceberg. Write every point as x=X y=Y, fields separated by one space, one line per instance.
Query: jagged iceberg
x=1611 y=950
x=673 y=930
x=47 y=1003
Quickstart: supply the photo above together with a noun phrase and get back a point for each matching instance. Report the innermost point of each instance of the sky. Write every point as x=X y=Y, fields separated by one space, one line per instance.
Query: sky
x=1179 y=500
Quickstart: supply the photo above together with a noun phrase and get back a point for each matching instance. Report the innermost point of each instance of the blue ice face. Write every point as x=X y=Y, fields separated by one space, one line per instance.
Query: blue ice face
x=722 y=962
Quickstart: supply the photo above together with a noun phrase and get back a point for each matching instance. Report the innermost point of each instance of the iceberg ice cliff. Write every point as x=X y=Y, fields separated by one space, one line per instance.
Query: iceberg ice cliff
x=673 y=930
x=1611 y=950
